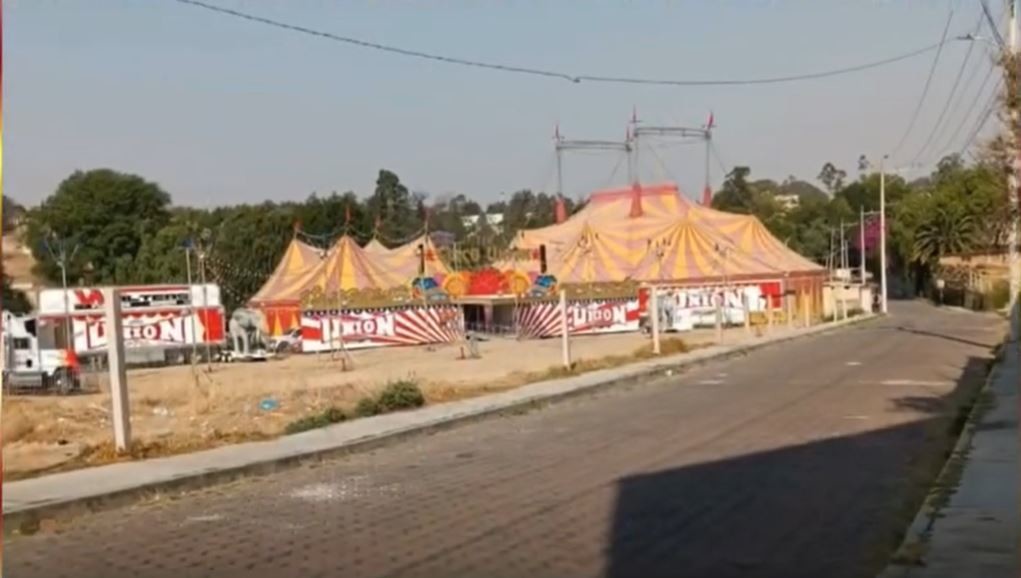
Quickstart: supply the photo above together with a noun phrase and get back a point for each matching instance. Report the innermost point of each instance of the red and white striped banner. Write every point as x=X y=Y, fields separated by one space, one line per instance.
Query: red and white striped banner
x=167 y=328
x=325 y=330
x=583 y=317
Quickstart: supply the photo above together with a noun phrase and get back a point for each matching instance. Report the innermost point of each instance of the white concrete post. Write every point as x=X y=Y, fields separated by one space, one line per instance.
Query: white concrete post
x=564 y=334
x=654 y=312
x=747 y=314
x=843 y=305
x=769 y=314
x=790 y=309
x=805 y=310
x=120 y=409
x=719 y=317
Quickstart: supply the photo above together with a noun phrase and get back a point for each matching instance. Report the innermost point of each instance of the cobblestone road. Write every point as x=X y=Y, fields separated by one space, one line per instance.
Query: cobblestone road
x=791 y=461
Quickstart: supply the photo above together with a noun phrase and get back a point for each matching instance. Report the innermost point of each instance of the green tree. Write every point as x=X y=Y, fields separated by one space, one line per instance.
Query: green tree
x=735 y=195
x=394 y=208
x=13 y=300
x=832 y=178
x=108 y=214
x=948 y=229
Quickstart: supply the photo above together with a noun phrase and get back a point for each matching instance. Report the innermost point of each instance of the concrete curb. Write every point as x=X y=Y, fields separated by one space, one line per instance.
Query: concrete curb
x=916 y=540
x=61 y=495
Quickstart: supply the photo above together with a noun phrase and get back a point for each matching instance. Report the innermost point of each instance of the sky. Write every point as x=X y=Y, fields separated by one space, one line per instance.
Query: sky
x=222 y=111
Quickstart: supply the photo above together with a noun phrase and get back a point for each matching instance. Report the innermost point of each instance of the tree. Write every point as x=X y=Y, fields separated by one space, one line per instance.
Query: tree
x=832 y=177
x=12 y=212
x=393 y=207
x=108 y=214
x=735 y=195
x=948 y=230
x=13 y=300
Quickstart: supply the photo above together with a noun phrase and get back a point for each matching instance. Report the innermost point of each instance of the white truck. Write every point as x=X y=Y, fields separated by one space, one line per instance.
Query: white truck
x=34 y=358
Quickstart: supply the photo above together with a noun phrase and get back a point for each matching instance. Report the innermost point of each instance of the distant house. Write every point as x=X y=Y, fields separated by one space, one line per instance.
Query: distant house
x=787 y=201
x=495 y=221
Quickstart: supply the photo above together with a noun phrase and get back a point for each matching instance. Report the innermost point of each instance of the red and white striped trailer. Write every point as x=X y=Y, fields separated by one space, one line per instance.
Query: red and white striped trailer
x=167 y=318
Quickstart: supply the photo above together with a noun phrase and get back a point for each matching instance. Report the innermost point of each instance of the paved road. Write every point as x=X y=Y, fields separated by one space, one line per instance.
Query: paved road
x=791 y=461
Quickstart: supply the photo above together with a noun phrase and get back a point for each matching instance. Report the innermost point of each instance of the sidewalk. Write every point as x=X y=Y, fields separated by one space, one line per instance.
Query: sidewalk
x=26 y=502
x=978 y=533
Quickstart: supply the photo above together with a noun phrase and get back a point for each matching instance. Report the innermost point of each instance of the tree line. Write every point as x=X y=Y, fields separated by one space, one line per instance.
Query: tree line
x=125 y=229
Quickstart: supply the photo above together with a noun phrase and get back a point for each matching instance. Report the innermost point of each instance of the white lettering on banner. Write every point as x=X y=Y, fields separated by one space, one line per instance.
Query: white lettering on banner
x=138 y=332
x=597 y=316
x=376 y=326
x=705 y=297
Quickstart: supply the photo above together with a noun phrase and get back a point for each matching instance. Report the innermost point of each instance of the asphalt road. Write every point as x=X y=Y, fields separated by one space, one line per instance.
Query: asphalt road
x=796 y=460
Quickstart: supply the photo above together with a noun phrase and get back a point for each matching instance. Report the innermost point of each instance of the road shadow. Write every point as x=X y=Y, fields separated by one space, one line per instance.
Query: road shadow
x=832 y=508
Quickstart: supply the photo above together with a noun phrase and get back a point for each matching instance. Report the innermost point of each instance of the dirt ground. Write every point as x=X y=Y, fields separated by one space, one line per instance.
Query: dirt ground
x=177 y=409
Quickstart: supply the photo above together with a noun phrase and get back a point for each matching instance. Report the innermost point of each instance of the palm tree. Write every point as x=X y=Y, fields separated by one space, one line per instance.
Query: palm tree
x=947 y=231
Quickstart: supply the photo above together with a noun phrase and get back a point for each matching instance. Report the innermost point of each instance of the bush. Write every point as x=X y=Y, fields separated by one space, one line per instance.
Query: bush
x=367 y=407
x=330 y=416
x=398 y=395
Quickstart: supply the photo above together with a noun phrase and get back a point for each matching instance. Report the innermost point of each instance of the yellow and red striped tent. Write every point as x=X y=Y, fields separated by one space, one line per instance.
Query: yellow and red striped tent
x=344 y=267
x=282 y=312
x=405 y=261
x=653 y=233
x=374 y=247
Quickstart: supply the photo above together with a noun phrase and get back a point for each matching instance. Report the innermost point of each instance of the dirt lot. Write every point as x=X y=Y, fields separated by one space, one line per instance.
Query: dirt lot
x=177 y=409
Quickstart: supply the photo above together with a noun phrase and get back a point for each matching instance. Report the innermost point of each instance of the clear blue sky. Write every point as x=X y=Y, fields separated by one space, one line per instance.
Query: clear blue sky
x=219 y=110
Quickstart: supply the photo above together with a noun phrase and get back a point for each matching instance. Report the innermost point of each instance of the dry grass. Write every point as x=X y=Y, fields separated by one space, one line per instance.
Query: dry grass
x=179 y=409
x=17 y=424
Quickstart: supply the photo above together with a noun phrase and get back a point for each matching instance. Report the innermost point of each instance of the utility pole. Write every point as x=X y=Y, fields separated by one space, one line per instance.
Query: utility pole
x=861 y=244
x=191 y=302
x=882 y=234
x=841 y=253
x=1014 y=178
x=62 y=259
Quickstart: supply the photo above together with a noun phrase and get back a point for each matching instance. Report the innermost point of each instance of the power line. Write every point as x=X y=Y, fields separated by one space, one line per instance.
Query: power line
x=990 y=107
x=928 y=83
x=967 y=115
x=556 y=74
x=992 y=23
x=953 y=92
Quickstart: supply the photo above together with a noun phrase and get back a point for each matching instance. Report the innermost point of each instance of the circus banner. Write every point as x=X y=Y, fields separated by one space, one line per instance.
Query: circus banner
x=542 y=319
x=166 y=329
x=331 y=330
x=685 y=307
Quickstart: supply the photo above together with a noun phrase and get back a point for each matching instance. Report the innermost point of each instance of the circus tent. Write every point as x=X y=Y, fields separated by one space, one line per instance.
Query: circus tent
x=407 y=260
x=345 y=267
x=374 y=247
x=653 y=233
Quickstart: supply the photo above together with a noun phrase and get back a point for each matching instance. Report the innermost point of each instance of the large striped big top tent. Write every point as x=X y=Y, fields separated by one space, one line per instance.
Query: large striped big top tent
x=653 y=233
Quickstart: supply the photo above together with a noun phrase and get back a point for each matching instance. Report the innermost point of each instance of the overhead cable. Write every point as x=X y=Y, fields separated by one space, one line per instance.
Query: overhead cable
x=556 y=74
x=928 y=83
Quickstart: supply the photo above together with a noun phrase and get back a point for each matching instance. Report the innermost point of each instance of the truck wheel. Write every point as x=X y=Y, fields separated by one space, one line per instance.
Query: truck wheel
x=63 y=382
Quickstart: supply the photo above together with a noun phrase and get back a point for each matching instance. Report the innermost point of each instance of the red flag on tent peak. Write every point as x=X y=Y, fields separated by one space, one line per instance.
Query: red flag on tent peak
x=707 y=196
x=711 y=122
x=560 y=210
x=636 y=201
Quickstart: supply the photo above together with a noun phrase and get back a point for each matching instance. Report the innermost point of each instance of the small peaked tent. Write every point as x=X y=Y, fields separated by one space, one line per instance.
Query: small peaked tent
x=299 y=258
x=405 y=262
x=276 y=296
x=349 y=267
x=374 y=247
